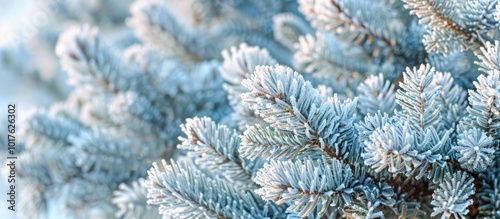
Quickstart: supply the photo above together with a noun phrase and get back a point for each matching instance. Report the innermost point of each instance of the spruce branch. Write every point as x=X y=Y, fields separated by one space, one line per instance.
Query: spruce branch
x=289 y=103
x=418 y=98
x=44 y=170
x=140 y=107
x=489 y=194
x=53 y=127
x=399 y=148
x=154 y=22
x=272 y=144
x=131 y=201
x=322 y=56
x=475 y=149
x=371 y=123
x=239 y=64
x=344 y=18
x=99 y=151
x=376 y=94
x=452 y=196
x=452 y=99
x=88 y=60
x=481 y=16
x=373 y=197
x=307 y=184
x=484 y=103
x=183 y=192
x=489 y=60
x=449 y=30
x=459 y=64
x=451 y=94
x=338 y=140
x=288 y=27
x=216 y=146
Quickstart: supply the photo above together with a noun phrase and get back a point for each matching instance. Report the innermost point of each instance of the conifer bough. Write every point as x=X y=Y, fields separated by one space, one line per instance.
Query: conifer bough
x=269 y=109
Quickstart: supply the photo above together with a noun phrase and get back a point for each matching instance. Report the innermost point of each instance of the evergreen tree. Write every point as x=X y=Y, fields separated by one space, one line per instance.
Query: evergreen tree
x=272 y=109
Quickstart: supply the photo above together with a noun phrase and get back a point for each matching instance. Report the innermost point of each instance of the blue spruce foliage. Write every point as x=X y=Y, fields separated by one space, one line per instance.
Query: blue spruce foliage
x=265 y=109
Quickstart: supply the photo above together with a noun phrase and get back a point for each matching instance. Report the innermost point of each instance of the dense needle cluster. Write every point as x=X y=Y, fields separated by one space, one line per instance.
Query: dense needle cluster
x=269 y=109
